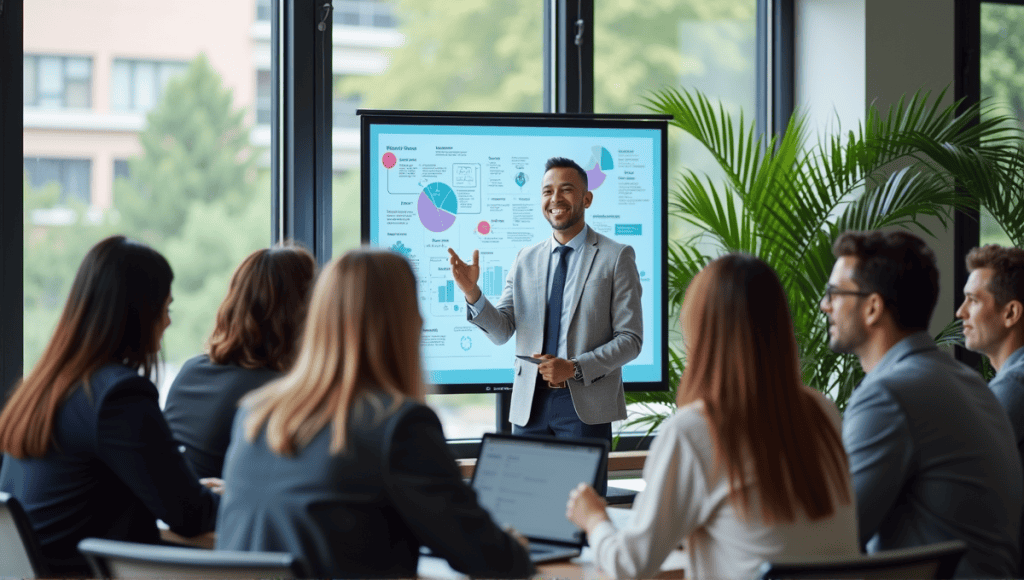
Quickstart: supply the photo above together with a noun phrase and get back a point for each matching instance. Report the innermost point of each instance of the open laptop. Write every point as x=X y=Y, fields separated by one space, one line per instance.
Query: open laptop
x=524 y=482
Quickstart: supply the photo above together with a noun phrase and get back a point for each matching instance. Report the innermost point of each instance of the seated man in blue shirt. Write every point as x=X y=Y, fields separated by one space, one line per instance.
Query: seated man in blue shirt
x=993 y=315
x=932 y=453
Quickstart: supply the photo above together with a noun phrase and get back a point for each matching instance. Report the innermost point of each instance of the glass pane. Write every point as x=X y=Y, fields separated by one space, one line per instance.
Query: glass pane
x=640 y=47
x=121 y=86
x=31 y=79
x=144 y=89
x=51 y=82
x=1002 y=84
x=426 y=55
x=199 y=190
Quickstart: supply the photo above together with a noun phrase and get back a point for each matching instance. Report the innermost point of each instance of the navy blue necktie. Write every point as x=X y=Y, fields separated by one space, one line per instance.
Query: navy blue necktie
x=553 y=315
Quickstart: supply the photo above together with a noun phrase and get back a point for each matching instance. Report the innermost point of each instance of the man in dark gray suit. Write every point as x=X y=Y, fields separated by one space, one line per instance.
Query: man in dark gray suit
x=573 y=301
x=932 y=454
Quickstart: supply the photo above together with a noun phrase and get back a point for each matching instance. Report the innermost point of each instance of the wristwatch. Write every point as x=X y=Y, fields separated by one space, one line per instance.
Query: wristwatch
x=577 y=369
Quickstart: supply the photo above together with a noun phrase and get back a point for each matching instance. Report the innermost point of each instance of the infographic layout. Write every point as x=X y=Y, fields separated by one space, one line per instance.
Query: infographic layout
x=478 y=188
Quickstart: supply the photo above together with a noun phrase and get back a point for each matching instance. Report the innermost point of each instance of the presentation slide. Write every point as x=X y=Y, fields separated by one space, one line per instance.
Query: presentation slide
x=475 y=187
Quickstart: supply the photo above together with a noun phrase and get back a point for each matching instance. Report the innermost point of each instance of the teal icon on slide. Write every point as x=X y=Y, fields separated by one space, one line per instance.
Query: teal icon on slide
x=520 y=179
x=467 y=343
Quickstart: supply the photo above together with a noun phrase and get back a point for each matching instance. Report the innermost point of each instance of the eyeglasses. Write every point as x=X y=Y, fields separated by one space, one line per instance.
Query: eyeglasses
x=831 y=291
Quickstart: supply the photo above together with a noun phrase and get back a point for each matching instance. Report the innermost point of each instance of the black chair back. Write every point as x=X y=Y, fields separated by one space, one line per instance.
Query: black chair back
x=932 y=561
x=20 y=556
x=114 y=559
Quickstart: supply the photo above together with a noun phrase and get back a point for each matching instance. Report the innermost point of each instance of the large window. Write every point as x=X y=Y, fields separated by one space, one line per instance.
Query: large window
x=58 y=82
x=186 y=178
x=1002 y=80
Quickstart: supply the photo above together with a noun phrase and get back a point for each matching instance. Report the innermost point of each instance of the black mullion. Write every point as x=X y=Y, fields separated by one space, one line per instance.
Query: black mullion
x=12 y=195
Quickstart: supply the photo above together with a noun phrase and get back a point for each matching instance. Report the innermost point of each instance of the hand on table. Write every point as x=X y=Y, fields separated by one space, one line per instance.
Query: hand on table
x=555 y=370
x=586 y=508
x=214 y=484
x=466 y=275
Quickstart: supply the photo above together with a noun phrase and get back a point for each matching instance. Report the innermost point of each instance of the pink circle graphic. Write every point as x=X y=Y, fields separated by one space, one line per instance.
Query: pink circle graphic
x=389 y=160
x=483 y=228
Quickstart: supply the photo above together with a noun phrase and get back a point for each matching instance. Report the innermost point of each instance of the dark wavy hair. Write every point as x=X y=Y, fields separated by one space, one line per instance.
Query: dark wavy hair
x=260 y=320
x=115 y=305
x=566 y=163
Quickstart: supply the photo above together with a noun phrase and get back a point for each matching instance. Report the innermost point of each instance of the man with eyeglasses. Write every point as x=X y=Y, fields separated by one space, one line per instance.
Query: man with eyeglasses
x=932 y=453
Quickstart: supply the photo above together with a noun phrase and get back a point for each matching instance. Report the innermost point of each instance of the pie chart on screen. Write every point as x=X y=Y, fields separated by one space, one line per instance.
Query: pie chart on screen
x=437 y=207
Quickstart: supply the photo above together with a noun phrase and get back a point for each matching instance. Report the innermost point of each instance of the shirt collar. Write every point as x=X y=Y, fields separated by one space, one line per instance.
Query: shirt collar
x=576 y=243
x=915 y=342
x=1015 y=359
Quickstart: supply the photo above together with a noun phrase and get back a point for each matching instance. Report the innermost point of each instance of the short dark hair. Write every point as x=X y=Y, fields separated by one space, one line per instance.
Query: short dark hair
x=568 y=163
x=900 y=267
x=1007 y=281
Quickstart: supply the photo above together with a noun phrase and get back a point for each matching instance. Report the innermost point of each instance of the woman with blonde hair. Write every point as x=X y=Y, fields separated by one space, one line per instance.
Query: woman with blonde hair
x=340 y=461
x=87 y=452
x=751 y=467
x=255 y=341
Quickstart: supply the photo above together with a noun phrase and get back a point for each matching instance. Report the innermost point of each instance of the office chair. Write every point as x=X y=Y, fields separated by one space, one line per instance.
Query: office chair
x=20 y=555
x=114 y=559
x=931 y=561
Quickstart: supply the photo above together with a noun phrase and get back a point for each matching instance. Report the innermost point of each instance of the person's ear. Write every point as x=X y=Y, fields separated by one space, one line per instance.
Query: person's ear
x=587 y=199
x=874 y=308
x=1012 y=313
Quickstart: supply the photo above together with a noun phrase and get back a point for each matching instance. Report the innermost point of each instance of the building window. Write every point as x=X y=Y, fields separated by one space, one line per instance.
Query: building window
x=72 y=176
x=364 y=13
x=58 y=82
x=343 y=107
x=137 y=85
x=263 y=10
x=264 y=93
x=121 y=169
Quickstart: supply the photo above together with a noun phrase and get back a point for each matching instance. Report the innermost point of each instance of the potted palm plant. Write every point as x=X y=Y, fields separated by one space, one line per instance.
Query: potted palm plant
x=785 y=199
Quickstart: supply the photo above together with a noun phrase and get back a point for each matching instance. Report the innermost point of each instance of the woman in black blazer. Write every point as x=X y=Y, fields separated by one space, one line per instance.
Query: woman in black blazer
x=340 y=461
x=88 y=453
x=254 y=341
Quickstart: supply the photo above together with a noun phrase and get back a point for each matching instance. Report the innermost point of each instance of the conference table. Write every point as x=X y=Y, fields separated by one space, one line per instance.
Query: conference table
x=579 y=568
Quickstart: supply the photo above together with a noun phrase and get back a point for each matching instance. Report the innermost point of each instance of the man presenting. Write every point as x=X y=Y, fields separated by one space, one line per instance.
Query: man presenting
x=573 y=302
x=932 y=454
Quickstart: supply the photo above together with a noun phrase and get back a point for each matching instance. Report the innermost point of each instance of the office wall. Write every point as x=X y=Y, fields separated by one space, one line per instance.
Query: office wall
x=854 y=53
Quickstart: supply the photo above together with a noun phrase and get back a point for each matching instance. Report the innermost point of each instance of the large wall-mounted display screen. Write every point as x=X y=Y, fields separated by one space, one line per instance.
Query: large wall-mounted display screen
x=433 y=181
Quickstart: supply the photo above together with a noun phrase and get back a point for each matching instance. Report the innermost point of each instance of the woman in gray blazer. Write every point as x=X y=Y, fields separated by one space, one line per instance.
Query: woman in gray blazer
x=340 y=462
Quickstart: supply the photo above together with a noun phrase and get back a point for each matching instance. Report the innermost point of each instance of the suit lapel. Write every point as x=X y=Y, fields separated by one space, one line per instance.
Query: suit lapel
x=539 y=300
x=586 y=262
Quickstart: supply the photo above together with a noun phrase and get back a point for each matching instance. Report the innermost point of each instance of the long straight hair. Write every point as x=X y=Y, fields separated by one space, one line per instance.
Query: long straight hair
x=742 y=362
x=362 y=335
x=259 y=321
x=111 y=316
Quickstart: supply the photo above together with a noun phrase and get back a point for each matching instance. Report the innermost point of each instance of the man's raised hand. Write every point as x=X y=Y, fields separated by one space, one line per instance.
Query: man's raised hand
x=466 y=275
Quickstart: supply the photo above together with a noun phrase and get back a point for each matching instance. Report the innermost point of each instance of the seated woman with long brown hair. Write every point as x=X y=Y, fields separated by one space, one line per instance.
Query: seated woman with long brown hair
x=254 y=341
x=88 y=453
x=340 y=461
x=751 y=467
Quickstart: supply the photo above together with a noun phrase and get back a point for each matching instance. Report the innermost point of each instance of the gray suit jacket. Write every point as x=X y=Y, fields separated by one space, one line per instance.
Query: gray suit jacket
x=605 y=329
x=933 y=458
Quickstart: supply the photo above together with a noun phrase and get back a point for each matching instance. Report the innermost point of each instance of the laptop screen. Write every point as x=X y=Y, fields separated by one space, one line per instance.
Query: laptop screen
x=525 y=483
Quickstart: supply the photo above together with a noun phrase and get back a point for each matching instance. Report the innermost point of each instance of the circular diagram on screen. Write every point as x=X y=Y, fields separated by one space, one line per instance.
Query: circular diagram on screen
x=437 y=207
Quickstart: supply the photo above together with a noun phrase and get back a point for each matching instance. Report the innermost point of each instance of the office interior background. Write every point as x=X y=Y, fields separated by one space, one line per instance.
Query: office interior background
x=200 y=128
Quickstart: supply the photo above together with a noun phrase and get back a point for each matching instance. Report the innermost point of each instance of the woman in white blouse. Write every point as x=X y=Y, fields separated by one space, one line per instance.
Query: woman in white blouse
x=751 y=467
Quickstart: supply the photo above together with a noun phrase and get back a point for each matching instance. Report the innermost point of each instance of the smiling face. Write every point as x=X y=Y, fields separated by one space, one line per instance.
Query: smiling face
x=564 y=198
x=847 y=330
x=984 y=327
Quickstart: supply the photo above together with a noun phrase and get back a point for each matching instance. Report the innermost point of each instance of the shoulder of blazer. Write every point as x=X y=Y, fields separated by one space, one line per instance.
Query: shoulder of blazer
x=111 y=378
x=596 y=238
